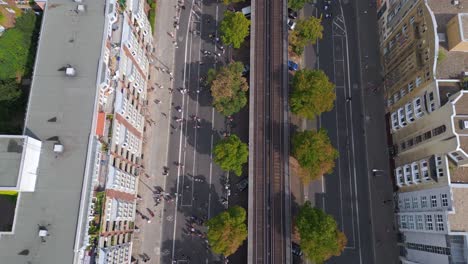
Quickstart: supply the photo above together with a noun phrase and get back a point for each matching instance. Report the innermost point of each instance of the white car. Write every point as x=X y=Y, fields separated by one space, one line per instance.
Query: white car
x=291 y=24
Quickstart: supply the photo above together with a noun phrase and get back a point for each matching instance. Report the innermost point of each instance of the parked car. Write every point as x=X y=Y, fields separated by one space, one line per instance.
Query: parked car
x=296 y=249
x=291 y=24
x=247 y=11
x=292 y=14
x=292 y=66
x=242 y=185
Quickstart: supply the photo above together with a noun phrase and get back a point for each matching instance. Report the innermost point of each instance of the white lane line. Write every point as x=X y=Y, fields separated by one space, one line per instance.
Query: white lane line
x=338 y=141
x=186 y=112
x=348 y=105
x=180 y=146
x=352 y=140
x=211 y=162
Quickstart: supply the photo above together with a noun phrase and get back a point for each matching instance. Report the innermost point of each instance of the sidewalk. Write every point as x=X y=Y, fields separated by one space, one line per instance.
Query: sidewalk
x=148 y=239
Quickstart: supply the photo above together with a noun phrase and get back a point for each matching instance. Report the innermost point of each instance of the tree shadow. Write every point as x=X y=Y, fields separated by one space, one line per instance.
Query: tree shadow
x=190 y=245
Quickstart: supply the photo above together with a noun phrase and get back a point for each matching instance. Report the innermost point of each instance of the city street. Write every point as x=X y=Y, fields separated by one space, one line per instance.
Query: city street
x=356 y=127
x=194 y=182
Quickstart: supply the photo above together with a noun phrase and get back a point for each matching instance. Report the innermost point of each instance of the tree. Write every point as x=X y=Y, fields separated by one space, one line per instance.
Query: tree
x=228 y=88
x=314 y=152
x=227 y=231
x=312 y=93
x=9 y=90
x=228 y=2
x=297 y=4
x=320 y=238
x=307 y=32
x=230 y=154
x=234 y=28
x=16 y=47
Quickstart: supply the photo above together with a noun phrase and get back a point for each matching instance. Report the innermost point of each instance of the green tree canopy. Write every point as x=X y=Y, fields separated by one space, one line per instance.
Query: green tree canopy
x=306 y=32
x=312 y=93
x=319 y=234
x=227 y=231
x=230 y=154
x=314 y=152
x=234 y=28
x=297 y=4
x=16 y=54
x=228 y=2
x=228 y=88
x=9 y=90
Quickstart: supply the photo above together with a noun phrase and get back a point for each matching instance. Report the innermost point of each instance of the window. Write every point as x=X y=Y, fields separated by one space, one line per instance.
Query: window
x=403 y=145
x=418 y=139
x=410 y=142
x=411 y=20
x=431 y=96
x=402 y=92
x=439 y=222
x=444 y=199
x=427 y=135
x=423 y=201
x=456 y=156
x=419 y=222
x=415 y=203
x=429 y=224
x=418 y=81
x=433 y=201
x=410 y=86
x=438 y=130
x=410 y=219
x=403 y=222
x=407 y=203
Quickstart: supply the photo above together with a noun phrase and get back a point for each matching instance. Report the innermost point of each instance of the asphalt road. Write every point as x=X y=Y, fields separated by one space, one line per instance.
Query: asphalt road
x=349 y=193
x=191 y=141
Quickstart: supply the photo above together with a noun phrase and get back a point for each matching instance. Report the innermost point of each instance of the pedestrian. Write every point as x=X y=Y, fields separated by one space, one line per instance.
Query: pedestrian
x=164 y=114
x=171 y=78
x=157 y=101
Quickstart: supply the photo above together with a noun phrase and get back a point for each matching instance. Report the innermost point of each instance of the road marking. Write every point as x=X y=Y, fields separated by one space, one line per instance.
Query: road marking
x=352 y=137
x=180 y=145
x=338 y=143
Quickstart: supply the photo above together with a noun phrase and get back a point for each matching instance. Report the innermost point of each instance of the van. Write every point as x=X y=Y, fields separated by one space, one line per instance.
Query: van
x=246 y=11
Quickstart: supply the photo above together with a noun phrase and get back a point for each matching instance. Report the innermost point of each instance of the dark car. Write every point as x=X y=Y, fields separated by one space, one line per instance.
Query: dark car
x=292 y=14
x=242 y=185
x=292 y=66
x=296 y=249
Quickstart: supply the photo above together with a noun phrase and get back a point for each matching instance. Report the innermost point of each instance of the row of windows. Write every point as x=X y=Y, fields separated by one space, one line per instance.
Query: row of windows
x=408 y=88
x=417 y=171
x=422 y=137
x=429 y=248
x=415 y=222
x=407 y=114
x=416 y=203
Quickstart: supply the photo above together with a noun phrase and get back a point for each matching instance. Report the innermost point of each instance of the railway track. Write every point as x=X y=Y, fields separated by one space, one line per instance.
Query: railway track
x=269 y=202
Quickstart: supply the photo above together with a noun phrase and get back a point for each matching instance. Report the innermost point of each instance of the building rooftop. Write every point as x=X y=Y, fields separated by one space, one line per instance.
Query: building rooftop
x=457 y=220
x=60 y=109
x=454 y=62
x=11 y=150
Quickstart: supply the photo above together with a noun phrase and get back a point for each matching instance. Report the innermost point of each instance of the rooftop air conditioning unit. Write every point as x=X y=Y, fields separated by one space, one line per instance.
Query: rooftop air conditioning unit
x=455 y=2
x=465 y=124
x=70 y=71
x=80 y=8
x=78 y=1
x=58 y=148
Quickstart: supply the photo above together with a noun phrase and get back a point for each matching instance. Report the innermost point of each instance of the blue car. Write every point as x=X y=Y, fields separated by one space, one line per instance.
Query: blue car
x=292 y=66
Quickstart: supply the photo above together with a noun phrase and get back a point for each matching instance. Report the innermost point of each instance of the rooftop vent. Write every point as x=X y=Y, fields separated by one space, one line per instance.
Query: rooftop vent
x=78 y=1
x=80 y=8
x=70 y=71
x=58 y=148
x=464 y=124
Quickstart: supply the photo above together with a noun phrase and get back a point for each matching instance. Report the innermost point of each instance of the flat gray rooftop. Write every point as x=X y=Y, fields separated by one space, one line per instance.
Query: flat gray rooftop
x=11 y=150
x=67 y=37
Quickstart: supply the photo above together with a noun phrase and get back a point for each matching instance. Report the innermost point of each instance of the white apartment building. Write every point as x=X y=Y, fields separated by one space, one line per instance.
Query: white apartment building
x=424 y=46
x=123 y=80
